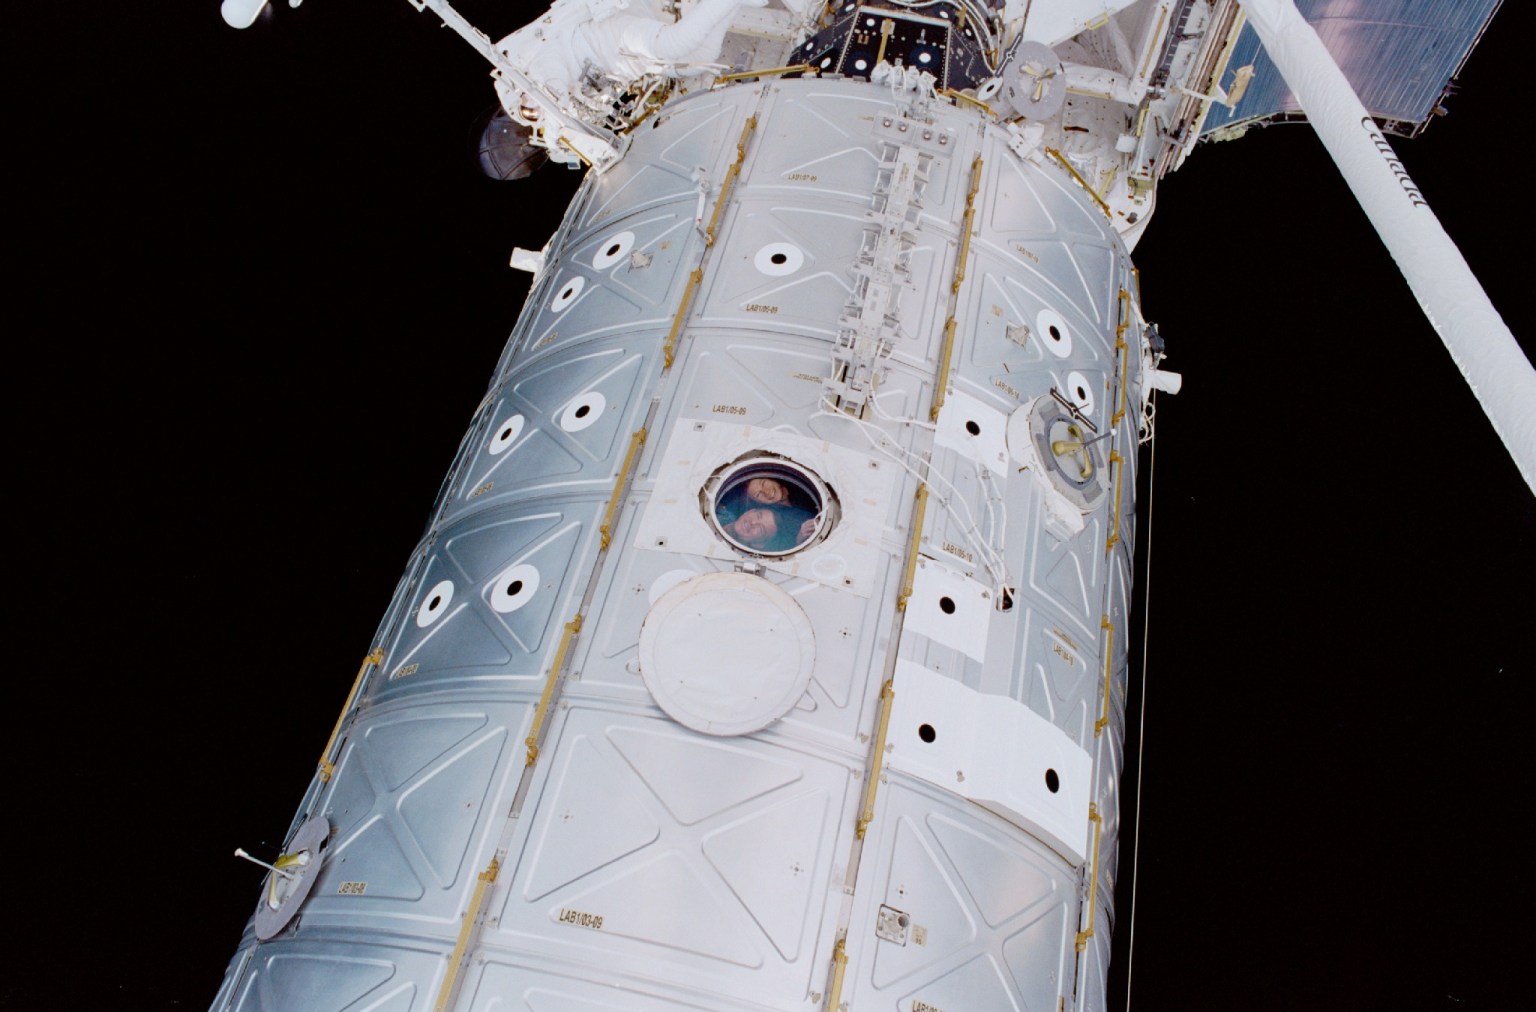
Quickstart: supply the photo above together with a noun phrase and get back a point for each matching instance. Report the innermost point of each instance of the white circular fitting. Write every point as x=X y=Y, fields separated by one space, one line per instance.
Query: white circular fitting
x=514 y=588
x=505 y=435
x=1054 y=333
x=434 y=603
x=613 y=249
x=726 y=653
x=778 y=259
x=1081 y=391
x=567 y=294
x=583 y=411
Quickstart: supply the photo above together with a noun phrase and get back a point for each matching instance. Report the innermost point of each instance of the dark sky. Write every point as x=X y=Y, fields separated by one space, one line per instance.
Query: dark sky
x=258 y=289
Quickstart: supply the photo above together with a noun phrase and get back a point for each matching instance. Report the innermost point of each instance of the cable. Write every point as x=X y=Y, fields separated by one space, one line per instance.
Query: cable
x=949 y=498
x=1141 y=727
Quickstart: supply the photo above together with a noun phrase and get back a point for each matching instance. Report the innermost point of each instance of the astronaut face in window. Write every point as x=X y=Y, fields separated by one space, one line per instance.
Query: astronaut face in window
x=755 y=528
x=767 y=491
x=769 y=506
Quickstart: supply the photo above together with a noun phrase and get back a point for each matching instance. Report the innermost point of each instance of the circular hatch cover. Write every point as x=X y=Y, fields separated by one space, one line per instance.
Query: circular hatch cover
x=726 y=653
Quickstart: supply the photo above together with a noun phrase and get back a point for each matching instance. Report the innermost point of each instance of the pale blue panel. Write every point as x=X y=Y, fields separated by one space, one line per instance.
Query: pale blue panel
x=1398 y=54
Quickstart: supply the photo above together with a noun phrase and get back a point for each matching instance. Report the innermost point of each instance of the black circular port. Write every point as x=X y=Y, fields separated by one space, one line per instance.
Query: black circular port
x=947 y=605
x=1052 y=781
x=515 y=587
x=973 y=428
x=583 y=411
x=926 y=732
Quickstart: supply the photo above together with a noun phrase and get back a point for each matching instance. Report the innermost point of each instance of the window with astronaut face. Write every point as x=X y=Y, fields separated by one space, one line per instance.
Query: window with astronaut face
x=767 y=505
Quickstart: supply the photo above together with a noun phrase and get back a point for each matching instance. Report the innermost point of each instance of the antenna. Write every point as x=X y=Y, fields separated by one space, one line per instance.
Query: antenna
x=240 y=852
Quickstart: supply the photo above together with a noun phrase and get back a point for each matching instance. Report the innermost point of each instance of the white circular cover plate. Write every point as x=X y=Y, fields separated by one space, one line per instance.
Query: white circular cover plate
x=506 y=434
x=726 y=653
x=583 y=411
x=434 y=603
x=515 y=588
x=778 y=259
x=1054 y=332
x=1081 y=391
x=614 y=249
x=567 y=294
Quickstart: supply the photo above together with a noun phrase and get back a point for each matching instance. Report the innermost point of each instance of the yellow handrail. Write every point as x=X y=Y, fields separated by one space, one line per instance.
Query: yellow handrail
x=961 y=96
x=839 y=966
x=887 y=697
x=798 y=68
x=1109 y=656
x=466 y=928
x=682 y=313
x=1080 y=181
x=730 y=179
x=946 y=351
x=917 y=532
x=1093 y=879
x=605 y=532
x=942 y=384
x=326 y=766
x=571 y=629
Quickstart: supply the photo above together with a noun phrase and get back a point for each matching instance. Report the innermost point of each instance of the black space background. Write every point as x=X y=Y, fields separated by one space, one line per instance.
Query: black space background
x=257 y=289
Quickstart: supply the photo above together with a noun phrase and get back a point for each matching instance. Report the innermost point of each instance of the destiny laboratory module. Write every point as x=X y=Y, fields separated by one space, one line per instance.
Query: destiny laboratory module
x=766 y=648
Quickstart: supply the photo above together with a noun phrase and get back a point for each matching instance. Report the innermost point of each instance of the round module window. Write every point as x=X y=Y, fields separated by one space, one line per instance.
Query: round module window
x=768 y=505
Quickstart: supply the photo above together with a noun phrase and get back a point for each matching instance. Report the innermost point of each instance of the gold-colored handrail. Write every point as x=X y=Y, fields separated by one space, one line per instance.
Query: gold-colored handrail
x=1080 y=181
x=1093 y=880
x=326 y=766
x=605 y=532
x=917 y=532
x=669 y=348
x=742 y=75
x=887 y=697
x=571 y=629
x=1119 y=481
x=729 y=180
x=1123 y=351
x=839 y=967
x=682 y=314
x=970 y=217
x=946 y=349
x=961 y=96
x=1109 y=657
x=445 y=994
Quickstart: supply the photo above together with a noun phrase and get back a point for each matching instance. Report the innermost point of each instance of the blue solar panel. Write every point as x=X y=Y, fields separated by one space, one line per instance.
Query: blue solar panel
x=1398 y=54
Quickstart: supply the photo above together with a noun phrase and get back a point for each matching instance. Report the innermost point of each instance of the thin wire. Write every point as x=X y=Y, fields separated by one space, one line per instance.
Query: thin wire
x=1141 y=731
x=996 y=564
x=996 y=560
